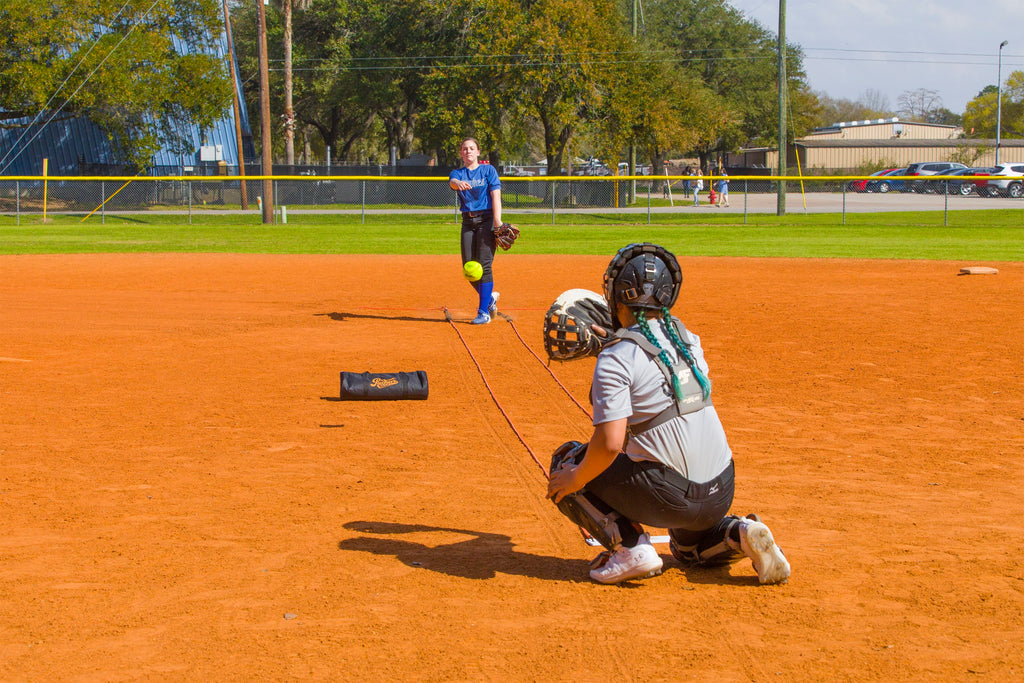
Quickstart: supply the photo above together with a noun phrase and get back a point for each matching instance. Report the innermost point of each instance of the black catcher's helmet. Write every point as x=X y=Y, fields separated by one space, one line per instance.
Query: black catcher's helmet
x=642 y=276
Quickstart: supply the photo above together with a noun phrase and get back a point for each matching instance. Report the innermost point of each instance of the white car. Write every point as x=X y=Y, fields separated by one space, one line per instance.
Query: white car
x=1006 y=180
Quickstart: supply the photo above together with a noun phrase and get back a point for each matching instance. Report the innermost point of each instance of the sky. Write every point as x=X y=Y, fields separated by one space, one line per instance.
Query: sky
x=894 y=46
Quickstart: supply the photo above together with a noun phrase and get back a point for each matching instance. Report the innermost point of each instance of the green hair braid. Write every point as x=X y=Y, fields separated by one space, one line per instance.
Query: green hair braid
x=641 y=319
x=684 y=350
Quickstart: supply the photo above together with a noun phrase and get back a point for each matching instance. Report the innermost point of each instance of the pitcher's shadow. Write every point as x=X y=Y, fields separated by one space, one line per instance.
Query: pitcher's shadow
x=342 y=317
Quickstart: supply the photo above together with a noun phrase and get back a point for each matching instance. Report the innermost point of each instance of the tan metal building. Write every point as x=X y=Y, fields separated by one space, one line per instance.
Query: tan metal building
x=852 y=146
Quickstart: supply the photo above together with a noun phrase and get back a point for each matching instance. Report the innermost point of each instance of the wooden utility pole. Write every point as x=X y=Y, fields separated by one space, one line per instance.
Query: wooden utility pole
x=237 y=109
x=780 y=208
x=265 y=143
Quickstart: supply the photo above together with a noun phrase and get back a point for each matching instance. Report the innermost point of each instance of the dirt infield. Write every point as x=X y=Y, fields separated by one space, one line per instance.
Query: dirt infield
x=181 y=498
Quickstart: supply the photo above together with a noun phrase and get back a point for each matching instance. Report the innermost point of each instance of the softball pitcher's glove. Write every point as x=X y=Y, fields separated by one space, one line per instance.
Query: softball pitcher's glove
x=567 y=331
x=505 y=235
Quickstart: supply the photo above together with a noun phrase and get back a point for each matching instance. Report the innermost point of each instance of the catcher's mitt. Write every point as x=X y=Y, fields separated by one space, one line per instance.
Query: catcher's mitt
x=567 y=331
x=505 y=235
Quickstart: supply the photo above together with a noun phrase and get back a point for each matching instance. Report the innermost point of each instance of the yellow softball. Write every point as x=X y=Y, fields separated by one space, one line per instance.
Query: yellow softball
x=472 y=270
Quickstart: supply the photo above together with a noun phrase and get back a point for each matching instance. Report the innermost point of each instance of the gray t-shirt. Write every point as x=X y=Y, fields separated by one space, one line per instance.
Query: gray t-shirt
x=628 y=383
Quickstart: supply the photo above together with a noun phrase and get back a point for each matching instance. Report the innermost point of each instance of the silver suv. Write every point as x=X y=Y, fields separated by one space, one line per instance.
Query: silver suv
x=1004 y=181
x=928 y=168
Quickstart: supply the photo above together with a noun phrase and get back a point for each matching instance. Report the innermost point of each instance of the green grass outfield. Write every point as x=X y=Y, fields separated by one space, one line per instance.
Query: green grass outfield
x=979 y=235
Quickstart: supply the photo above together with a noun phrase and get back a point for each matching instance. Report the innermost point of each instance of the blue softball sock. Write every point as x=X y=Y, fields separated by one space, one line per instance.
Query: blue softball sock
x=486 y=288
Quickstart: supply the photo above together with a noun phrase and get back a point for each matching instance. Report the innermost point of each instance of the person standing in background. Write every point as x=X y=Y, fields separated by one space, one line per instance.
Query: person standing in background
x=723 y=190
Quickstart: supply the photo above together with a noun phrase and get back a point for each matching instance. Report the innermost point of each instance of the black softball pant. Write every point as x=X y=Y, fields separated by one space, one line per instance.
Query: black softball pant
x=478 y=240
x=656 y=495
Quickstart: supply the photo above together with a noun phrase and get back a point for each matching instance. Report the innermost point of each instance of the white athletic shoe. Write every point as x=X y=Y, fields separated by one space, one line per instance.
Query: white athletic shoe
x=641 y=561
x=757 y=543
x=493 y=308
x=481 y=319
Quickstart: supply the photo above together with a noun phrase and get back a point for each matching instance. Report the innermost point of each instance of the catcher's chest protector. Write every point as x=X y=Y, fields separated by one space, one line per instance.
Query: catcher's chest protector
x=693 y=395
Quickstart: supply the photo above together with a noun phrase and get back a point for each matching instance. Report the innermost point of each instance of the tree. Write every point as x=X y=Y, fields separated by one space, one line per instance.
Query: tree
x=473 y=92
x=289 y=111
x=546 y=65
x=659 y=110
x=560 y=65
x=943 y=116
x=327 y=96
x=361 y=67
x=920 y=105
x=870 y=105
x=979 y=118
x=145 y=75
x=737 y=60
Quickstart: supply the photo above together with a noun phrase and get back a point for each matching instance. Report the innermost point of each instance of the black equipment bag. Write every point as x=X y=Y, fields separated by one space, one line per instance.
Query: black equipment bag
x=383 y=386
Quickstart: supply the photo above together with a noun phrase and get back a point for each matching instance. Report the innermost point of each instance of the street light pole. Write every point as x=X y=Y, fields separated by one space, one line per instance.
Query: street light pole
x=999 y=98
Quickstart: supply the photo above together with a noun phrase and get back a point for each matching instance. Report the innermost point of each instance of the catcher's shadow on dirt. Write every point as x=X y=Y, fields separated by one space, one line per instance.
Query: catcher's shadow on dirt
x=481 y=556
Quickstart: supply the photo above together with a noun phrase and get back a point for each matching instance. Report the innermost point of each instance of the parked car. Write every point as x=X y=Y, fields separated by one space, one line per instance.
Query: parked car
x=887 y=183
x=929 y=168
x=861 y=185
x=958 y=185
x=1004 y=181
x=513 y=170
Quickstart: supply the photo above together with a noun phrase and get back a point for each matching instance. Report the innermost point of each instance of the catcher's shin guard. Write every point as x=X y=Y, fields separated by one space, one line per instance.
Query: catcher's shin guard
x=587 y=511
x=583 y=509
x=717 y=546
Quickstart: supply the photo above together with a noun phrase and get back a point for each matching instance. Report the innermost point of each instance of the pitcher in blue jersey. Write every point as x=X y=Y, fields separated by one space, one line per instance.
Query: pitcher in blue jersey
x=479 y=191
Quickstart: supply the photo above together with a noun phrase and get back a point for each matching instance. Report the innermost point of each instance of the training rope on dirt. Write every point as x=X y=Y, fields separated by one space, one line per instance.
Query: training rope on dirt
x=448 y=317
x=546 y=366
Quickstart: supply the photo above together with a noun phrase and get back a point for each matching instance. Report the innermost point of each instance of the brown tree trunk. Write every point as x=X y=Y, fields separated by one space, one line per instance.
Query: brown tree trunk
x=289 y=112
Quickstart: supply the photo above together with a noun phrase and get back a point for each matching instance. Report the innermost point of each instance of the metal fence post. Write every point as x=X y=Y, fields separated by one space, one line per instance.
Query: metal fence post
x=945 y=198
x=362 y=199
x=17 y=200
x=746 y=193
x=844 y=203
x=103 y=202
x=554 y=186
x=648 y=203
x=189 y=188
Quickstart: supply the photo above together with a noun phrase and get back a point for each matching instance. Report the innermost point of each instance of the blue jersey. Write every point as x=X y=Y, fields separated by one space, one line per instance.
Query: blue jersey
x=484 y=179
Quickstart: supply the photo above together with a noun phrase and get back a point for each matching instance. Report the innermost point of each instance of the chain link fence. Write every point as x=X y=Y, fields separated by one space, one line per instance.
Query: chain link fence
x=86 y=197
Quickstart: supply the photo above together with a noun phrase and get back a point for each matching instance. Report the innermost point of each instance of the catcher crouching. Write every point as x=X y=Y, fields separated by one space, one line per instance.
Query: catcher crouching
x=658 y=455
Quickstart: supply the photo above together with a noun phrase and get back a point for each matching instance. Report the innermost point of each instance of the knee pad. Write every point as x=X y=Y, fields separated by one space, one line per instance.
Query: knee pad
x=569 y=453
x=581 y=507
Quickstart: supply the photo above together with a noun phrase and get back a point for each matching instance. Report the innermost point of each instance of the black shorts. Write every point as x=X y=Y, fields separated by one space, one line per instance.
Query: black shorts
x=478 y=240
